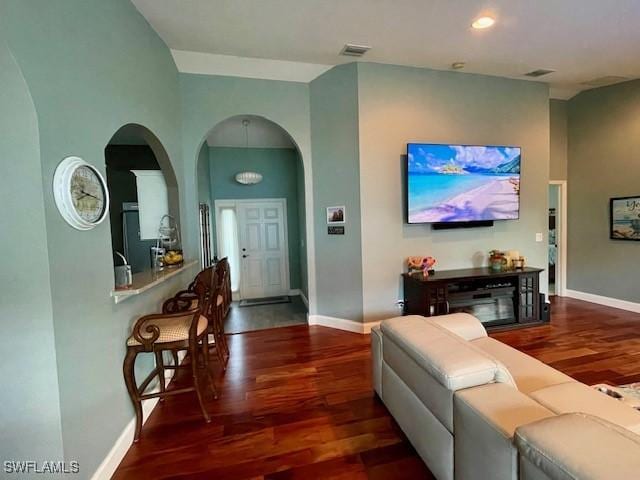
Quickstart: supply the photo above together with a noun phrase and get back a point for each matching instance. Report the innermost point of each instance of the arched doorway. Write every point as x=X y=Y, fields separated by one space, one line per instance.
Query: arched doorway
x=251 y=179
x=143 y=188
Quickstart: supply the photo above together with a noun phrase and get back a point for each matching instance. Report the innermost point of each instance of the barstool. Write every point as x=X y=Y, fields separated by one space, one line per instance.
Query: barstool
x=157 y=333
x=216 y=311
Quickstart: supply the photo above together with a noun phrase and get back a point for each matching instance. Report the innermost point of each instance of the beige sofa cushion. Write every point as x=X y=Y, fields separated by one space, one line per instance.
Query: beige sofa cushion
x=577 y=446
x=485 y=419
x=463 y=325
x=452 y=361
x=528 y=373
x=577 y=397
x=501 y=406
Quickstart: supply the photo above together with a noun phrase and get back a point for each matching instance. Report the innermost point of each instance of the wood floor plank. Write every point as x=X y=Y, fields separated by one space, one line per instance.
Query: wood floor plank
x=297 y=402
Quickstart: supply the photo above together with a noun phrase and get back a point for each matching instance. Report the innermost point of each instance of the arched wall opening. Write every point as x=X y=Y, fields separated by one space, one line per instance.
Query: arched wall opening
x=255 y=144
x=143 y=187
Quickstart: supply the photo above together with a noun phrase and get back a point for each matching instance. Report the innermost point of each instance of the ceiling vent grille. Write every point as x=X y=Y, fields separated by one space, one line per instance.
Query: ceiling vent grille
x=352 y=50
x=538 y=73
x=602 y=81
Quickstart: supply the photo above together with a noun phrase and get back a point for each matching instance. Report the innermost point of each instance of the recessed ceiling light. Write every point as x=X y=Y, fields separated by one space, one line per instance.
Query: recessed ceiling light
x=483 y=22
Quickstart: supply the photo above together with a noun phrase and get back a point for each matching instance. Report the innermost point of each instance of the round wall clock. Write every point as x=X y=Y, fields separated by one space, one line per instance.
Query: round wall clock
x=81 y=193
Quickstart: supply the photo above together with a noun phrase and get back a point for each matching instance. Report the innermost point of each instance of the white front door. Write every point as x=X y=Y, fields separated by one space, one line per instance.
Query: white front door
x=263 y=248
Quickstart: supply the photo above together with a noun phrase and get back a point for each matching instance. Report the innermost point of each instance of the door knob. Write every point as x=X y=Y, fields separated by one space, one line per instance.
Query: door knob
x=245 y=256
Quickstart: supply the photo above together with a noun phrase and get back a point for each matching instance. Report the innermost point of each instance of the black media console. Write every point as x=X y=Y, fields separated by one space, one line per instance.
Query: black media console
x=499 y=299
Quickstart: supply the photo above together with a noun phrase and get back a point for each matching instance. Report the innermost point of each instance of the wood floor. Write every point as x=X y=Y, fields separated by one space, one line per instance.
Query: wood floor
x=589 y=342
x=296 y=402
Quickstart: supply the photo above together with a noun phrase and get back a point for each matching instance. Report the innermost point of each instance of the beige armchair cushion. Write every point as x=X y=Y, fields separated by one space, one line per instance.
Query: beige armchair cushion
x=577 y=446
x=172 y=329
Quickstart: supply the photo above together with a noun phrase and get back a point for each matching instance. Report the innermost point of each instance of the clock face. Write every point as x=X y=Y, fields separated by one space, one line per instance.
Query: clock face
x=87 y=194
x=80 y=193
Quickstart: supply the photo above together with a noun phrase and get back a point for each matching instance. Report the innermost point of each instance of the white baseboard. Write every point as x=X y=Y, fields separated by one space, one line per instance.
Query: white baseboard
x=297 y=292
x=342 y=324
x=601 y=300
x=108 y=466
x=304 y=299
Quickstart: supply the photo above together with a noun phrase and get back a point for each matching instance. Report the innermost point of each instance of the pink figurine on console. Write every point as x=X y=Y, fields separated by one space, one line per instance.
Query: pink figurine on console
x=424 y=264
x=427 y=265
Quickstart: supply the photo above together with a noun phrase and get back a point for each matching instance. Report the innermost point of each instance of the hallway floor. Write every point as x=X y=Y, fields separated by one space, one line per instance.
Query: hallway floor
x=261 y=317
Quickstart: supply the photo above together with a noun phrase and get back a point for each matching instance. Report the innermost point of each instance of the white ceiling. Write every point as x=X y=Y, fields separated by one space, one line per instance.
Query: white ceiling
x=580 y=39
x=262 y=133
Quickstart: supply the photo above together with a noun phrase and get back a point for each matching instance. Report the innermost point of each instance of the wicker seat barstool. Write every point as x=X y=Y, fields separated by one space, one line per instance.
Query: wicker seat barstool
x=185 y=330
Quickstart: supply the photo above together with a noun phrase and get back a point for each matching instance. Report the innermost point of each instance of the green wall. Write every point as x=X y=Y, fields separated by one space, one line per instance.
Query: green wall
x=334 y=127
x=207 y=100
x=604 y=140
x=302 y=230
x=279 y=167
x=558 y=117
x=30 y=412
x=397 y=105
x=91 y=66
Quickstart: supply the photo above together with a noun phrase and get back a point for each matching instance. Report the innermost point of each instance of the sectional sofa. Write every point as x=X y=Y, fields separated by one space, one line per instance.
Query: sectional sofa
x=475 y=408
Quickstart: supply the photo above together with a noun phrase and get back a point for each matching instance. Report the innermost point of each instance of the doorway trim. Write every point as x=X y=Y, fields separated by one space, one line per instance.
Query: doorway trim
x=233 y=203
x=561 y=265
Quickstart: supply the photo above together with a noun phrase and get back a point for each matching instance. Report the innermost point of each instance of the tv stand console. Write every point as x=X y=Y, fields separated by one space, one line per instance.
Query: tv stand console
x=499 y=299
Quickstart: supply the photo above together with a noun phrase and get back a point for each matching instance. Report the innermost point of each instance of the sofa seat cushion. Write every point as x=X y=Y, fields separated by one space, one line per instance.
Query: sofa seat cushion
x=500 y=406
x=578 y=397
x=528 y=373
x=450 y=360
x=577 y=446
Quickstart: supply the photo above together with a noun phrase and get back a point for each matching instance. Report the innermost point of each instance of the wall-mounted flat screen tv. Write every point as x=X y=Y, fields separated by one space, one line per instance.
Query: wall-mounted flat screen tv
x=462 y=183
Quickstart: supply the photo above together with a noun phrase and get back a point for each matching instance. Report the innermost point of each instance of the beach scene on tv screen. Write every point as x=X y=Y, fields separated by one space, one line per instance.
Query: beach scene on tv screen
x=456 y=183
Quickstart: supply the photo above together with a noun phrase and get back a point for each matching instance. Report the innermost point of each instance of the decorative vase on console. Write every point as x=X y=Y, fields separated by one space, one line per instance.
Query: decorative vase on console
x=497 y=261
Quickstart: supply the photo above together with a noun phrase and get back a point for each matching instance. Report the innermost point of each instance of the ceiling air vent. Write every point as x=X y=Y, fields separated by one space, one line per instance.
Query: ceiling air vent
x=352 y=50
x=538 y=73
x=602 y=81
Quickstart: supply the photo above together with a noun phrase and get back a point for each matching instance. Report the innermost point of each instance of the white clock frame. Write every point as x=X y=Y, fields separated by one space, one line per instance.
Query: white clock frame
x=62 y=193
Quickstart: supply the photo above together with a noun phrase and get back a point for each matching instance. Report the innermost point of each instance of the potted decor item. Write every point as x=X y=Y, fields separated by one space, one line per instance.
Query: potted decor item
x=497 y=261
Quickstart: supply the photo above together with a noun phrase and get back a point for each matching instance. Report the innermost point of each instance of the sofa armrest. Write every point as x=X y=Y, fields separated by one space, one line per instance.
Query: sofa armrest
x=577 y=445
x=376 y=359
x=485 y=419
x=464 y=325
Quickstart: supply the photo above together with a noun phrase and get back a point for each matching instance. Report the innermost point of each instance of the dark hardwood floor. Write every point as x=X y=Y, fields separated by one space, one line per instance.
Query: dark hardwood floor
x=296 y=402
x=589 y=342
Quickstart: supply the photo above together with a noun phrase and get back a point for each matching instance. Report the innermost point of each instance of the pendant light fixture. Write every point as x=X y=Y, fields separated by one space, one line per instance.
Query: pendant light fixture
x=247 y=178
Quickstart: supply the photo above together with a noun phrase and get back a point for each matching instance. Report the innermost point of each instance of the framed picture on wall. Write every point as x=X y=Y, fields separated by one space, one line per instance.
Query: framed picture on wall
x=336 y=215
x=624 y=214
